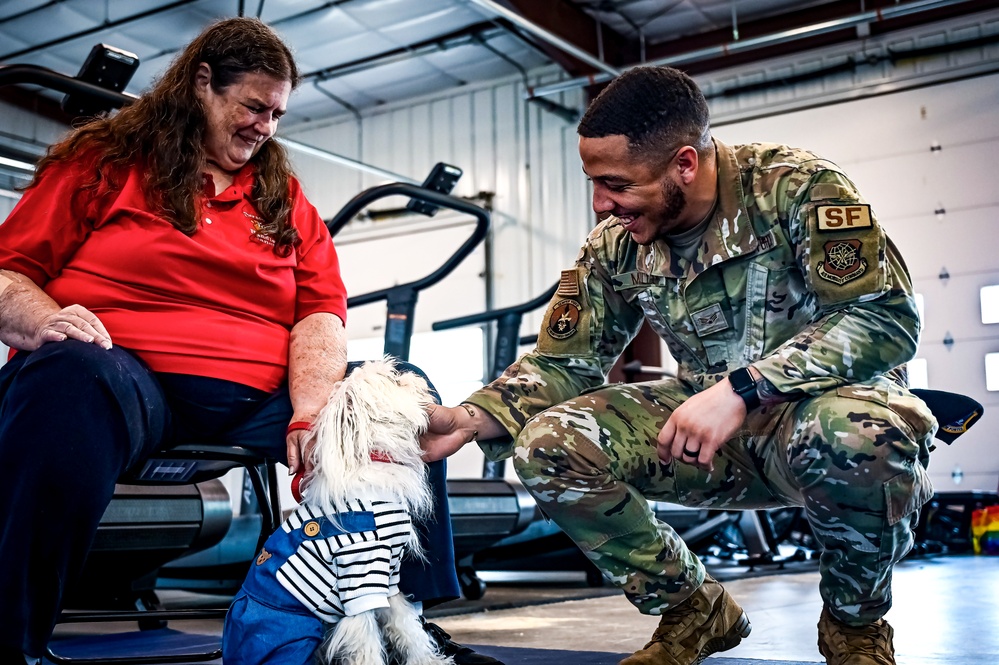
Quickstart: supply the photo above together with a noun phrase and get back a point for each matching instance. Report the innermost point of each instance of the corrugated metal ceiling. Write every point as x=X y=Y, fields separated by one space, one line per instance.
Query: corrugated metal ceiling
x=358 y=54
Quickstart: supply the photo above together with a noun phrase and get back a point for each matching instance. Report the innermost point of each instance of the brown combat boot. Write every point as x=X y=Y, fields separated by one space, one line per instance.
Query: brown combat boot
x=842 y=644
x=708 y=622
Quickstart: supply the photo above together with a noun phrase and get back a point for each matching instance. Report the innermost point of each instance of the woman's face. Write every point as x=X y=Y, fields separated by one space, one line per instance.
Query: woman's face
x=241 y=117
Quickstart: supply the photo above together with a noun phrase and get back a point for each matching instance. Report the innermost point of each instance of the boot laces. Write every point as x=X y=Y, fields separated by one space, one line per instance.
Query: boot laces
x=675 y=622
x=869 y=640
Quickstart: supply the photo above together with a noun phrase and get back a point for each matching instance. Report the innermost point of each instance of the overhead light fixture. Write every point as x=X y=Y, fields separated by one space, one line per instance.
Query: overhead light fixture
x=17 y=164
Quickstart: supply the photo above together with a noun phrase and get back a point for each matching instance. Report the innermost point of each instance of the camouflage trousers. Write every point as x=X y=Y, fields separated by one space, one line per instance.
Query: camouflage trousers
x=853 y=457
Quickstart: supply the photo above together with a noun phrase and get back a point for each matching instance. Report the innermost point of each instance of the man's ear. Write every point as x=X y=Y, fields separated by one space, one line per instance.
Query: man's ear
x=203 y=77
x=687 y=163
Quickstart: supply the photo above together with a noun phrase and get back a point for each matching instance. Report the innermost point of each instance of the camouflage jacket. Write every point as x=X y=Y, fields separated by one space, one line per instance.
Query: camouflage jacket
x=793 y=275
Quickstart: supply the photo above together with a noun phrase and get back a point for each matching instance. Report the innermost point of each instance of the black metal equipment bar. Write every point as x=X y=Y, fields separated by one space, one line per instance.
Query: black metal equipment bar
x=401 y=299
x=43 y=76
x=508 y=321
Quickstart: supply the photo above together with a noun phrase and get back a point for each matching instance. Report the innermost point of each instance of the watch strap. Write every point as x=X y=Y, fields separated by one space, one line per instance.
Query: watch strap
x=744 y=386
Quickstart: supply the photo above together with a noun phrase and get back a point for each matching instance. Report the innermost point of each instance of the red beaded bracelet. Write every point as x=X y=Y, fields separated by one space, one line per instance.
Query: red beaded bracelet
x=297 y=425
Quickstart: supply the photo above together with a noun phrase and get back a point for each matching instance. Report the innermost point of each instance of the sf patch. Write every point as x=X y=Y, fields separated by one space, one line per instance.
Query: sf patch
x=844 y=217
x=843 y=262
x=564 y=319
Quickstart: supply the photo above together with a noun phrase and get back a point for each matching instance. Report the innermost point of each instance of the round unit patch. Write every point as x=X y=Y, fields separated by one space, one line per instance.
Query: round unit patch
x=564 y=319
x=843 y=262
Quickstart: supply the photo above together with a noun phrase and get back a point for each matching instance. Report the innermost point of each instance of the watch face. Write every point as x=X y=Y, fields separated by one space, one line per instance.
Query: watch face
x=744 y=386
x=741 y=380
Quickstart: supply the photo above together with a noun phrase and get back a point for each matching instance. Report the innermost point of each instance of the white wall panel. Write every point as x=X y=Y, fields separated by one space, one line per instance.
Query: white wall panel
x=883 y=144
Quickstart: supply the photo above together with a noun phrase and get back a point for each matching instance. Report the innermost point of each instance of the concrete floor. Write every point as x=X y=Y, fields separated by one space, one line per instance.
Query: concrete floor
x=946 y=612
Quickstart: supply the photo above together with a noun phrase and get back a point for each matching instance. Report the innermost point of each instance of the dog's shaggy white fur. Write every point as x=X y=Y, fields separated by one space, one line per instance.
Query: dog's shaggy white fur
x=376 y=411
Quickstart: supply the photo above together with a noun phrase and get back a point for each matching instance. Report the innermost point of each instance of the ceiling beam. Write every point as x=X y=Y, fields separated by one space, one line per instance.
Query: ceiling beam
x=799 y=19
x=572 y=24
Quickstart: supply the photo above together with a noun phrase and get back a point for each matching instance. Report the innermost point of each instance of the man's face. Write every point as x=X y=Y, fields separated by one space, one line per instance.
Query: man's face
x=240 y=118
x=648 y=200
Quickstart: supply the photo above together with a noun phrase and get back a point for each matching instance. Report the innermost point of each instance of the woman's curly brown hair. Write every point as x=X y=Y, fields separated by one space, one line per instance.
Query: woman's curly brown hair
x=164 y=131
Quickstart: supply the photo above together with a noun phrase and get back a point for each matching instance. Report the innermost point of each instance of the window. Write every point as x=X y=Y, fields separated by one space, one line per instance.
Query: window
x=990 y=304
x=451 y=358
x=992 y=371
x=918 y=374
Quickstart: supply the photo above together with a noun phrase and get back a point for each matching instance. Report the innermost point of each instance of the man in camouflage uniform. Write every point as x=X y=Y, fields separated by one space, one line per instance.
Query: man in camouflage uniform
x=788 y=311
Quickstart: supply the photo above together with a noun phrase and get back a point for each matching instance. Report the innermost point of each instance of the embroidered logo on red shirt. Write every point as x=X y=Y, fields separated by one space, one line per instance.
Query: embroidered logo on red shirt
x=257 y=231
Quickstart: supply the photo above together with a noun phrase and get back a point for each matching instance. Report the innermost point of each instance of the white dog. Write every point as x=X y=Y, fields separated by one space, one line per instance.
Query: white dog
x=326 y=582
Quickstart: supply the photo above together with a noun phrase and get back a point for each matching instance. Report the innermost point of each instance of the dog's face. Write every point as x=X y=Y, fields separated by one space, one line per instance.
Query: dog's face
x=376 y=410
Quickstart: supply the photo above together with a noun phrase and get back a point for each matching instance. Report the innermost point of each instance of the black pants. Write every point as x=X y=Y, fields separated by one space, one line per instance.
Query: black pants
x=74 y=417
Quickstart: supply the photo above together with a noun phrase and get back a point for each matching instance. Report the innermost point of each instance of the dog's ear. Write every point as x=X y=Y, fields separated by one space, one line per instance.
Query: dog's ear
x=339 y=431
x=417 y=385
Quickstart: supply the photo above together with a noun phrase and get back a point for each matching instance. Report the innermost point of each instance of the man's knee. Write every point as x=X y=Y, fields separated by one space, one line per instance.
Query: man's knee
x=859 y=453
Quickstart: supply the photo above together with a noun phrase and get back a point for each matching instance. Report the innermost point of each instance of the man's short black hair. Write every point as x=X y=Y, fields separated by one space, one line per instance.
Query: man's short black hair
x=659 y=110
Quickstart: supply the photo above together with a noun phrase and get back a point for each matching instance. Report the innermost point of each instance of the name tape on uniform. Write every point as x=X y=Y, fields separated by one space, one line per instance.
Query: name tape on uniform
x=844 y=218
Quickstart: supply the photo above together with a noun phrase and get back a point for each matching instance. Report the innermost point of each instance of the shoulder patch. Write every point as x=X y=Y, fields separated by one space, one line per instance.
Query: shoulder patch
x=568 y=284
x=563 y=319
x=843 y=262
x=844 y=217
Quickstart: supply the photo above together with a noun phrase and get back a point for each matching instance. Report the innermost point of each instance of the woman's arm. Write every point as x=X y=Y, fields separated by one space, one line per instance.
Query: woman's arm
x=317 y=360
x=30 y=318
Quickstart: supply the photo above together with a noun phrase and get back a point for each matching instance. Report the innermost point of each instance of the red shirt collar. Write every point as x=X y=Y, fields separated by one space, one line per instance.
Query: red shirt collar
x=241 y=188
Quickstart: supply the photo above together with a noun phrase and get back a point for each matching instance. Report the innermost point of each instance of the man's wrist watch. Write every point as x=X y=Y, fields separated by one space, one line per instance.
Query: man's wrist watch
x=745 y=387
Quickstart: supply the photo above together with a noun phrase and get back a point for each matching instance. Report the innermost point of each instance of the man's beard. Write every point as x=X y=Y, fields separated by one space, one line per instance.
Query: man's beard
x=674 y=202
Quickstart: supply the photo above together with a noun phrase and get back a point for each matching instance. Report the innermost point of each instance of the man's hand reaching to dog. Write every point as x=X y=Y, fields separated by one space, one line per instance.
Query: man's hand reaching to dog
x=699 y=426
x=452 y=427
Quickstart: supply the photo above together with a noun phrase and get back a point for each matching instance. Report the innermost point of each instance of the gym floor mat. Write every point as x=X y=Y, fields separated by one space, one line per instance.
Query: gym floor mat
x=164 y=642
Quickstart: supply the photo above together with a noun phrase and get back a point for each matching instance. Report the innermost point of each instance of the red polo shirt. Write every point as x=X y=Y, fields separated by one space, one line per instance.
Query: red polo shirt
x=219 y=303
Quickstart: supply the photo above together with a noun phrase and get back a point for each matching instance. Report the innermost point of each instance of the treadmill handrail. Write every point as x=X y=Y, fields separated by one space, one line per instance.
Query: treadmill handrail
x=356 y=204
x=48 y=78
x=495 y=314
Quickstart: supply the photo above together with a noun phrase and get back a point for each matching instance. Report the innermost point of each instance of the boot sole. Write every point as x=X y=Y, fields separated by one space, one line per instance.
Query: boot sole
x=742 y=628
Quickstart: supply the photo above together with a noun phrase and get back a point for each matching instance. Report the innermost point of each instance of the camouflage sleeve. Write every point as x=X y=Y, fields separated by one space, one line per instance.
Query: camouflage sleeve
x=586 y=327
x=867 y=322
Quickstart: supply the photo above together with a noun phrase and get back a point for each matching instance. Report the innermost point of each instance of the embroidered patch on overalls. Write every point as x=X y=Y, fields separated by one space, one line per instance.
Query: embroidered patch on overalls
x=843 y=262
x=564 y=319
x=709 y=320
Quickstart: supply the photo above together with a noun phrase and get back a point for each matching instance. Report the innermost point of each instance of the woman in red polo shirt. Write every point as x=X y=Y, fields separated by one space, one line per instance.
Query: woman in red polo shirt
x=162 y=280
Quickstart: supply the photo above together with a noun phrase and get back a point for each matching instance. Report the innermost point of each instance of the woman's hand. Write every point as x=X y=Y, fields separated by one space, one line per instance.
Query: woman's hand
x=300 y=443
x=29 y=317
x=317 y=359
x=73 y=322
